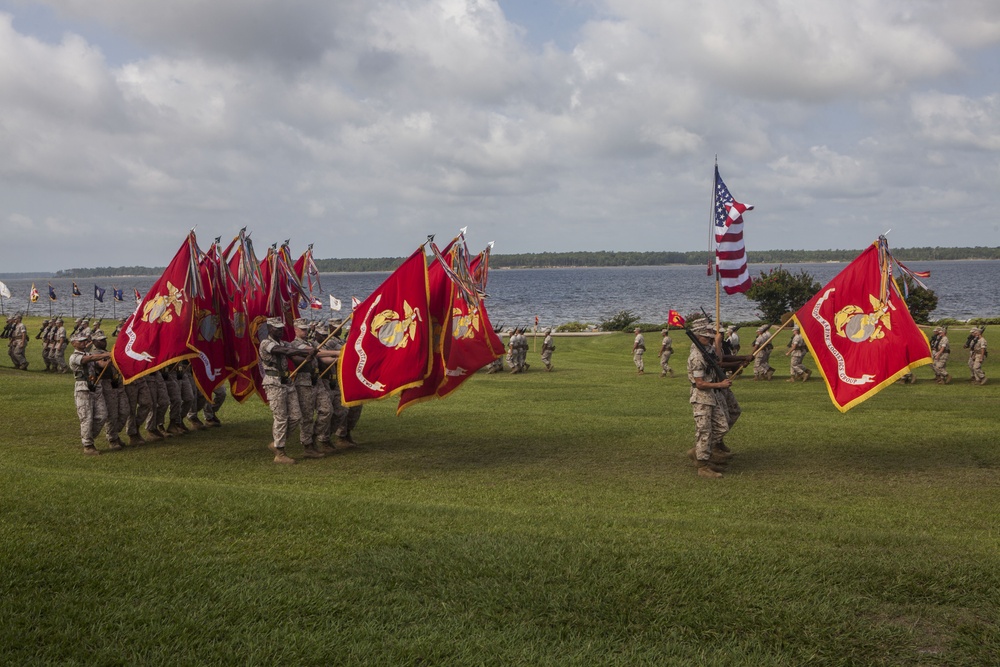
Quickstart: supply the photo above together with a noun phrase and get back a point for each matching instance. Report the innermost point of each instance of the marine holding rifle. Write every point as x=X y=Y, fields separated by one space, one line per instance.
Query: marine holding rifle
x=711 y=420
x=90 y=407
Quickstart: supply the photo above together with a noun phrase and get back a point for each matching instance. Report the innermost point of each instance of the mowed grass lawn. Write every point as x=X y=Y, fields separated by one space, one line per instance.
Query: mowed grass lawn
x=537 y=519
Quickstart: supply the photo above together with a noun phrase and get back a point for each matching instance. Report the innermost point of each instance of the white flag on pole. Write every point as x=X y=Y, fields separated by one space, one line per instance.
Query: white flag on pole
x=4 y=292
x=334 y=303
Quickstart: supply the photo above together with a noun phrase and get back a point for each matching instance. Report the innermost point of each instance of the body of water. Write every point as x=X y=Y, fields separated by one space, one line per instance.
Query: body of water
x=964 y=288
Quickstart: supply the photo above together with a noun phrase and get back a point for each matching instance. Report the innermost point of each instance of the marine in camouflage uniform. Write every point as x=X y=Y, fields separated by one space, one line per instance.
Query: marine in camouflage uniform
x=113 y=392
x=710 y=410
x=761 y=367
x=45 y=335
x=940 y=351
x=281 y=397
x=977 y=355
x=666 y=351
x=638 y=349
x=797 y=351
x=18 y=344
x=305 y=388
x=60 y=341
x=548 y=347
x=90 y=407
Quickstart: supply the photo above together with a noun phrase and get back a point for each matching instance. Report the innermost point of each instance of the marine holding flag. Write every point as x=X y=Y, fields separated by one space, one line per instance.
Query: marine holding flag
x=860 y=331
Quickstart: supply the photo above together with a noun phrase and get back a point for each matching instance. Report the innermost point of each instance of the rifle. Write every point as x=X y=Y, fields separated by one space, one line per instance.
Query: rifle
x=720 y=374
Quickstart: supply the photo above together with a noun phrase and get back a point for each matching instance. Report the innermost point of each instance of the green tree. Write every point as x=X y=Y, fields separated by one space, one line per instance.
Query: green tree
x=623 y=321
x=920 y=301
x=779 y=291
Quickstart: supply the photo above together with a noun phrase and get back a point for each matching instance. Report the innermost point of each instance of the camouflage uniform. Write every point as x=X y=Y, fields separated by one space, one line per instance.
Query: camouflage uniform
x=940 y=351
x=140 y=404
x=977 y=355
x=548 y=347
x=666 y=351
x=638 y=348
x=90 y=407
x=115 y=399
x=59 y=350
x=761 y=368
x=280 y=393
x=797 y=352
x=304 y=385
x=45 y=335
x=17 y=345
x=711 y=418
x=159 y=401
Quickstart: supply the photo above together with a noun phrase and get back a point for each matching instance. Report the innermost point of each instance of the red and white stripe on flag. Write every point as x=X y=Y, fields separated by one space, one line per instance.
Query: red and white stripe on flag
x=730 y=251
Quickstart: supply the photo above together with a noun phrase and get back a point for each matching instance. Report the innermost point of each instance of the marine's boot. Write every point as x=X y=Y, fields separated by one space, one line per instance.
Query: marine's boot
x=947 y=378
x=279 y=454
x=90 y=450
x=310 y=452
x=706 y=470
x=768 y=375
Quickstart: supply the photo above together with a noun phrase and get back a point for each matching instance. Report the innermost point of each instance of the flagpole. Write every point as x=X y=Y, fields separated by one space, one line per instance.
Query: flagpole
x=711 y=236
x=332 y=334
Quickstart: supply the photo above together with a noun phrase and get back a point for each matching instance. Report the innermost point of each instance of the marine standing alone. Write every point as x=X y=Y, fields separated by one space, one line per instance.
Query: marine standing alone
x=638 y=348
x=666 y=350
x=977 y=355
x=548 y=347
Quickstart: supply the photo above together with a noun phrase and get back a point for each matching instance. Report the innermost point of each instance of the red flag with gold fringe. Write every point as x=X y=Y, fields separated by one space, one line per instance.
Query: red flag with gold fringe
x=156 y=335
x=211 y=334
x=388 y=348
x=442 y=293
x=860 y=331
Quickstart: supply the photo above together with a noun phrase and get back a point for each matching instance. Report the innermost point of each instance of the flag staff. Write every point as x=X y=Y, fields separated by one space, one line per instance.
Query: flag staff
x=711 y=240
x=332 y=334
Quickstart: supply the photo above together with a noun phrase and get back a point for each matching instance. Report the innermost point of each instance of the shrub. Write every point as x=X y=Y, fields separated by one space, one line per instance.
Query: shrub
x=573 y=327
x=779 y=292
x=622 y=321
x=920 y=301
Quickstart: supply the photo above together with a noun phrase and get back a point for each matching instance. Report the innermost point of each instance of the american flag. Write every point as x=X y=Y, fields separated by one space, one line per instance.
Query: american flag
x=730 y=253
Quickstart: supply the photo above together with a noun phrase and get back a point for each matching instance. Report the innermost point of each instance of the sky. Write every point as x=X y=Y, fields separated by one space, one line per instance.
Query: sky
x=363 y=126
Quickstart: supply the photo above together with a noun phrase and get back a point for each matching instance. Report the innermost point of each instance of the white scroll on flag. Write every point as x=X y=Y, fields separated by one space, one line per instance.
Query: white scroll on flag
x=334 y=303
x=730 y=252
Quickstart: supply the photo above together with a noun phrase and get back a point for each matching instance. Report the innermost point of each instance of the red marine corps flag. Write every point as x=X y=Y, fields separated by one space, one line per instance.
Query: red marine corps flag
x=211 y=335
x=473 y=343
x=389 y=346
x=859 y=330
x=156 y=334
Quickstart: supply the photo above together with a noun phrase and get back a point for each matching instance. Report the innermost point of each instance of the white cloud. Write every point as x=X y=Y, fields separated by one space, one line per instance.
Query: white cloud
x=363 y=126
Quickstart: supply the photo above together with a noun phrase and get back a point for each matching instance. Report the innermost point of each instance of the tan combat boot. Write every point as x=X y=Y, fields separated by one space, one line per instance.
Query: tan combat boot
x=310 y=452
x=279 y=454
x=706 y=470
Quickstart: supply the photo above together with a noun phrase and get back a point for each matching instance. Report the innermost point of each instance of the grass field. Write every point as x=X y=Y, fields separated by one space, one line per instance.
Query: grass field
x=539 y=519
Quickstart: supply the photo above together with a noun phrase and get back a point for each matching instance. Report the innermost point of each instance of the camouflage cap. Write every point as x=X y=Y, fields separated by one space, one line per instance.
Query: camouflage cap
x=98 y=335
x=79 y=338
x=301 y=323
x=323 y=329
x=975 y=330
x=275 y=323
x=664 y=331
x=548 y=331
x=762 y=328
x=702 y=327
x=938 y=329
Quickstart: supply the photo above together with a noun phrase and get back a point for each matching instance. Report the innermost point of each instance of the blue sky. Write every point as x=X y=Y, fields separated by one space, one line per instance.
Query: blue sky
x=362 y=126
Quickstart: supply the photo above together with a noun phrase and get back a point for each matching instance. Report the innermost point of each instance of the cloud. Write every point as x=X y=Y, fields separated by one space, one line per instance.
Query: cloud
x=364 y=126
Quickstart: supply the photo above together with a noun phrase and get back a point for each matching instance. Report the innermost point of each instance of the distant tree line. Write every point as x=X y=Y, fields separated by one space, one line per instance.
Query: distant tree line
x=596 y=259
x=110 y=272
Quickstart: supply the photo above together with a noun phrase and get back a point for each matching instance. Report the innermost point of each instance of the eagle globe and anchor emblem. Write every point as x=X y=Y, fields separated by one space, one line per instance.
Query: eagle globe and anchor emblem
x=857 y=326
x=391 y=330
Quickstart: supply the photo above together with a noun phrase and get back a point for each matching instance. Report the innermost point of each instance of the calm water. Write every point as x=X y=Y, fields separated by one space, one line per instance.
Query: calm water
x=964 y=288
